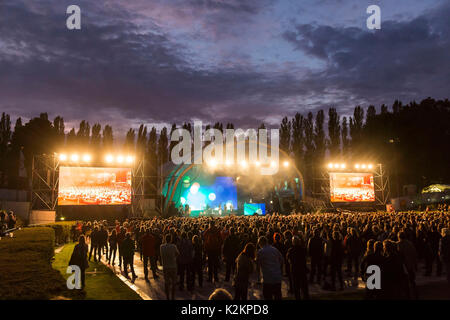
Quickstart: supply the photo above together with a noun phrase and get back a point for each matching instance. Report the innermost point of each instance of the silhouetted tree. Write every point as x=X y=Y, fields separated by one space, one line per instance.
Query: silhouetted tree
x=334 y=132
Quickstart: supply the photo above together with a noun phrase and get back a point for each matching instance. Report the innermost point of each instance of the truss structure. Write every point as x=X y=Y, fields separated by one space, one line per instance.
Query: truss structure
x=44 y=182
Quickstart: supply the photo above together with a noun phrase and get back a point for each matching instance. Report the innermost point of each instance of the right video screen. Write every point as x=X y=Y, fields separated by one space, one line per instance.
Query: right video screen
x=352 y=187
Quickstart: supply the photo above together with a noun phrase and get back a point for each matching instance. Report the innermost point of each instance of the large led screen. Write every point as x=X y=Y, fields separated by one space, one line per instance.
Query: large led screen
x=94 y=186
x=352 y=187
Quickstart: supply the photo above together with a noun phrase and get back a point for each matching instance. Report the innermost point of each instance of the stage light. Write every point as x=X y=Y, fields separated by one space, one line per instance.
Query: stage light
x=212 y=196
x=370 y=166
x=130 y=159
x=272 y=164
x=87 y=158
x=194 y=188
x=257 y=163
x=336 y=165
x=62 y=157
x=119 y=159
x=228 y=163
x=363 y=166
x=356 y=166
x=74 y=157
x=330 y=166
x=244 y=164
x=109 y=158
x=237 y=179
x=62 y=218
x=212 y=163
x=286 y=164
x=183 y=200
x=342 y=165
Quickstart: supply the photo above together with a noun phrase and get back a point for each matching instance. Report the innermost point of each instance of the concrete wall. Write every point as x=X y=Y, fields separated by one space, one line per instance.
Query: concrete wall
x=42 y=217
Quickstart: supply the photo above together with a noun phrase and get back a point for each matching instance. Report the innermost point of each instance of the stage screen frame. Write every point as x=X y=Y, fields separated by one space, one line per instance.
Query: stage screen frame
x=370 y=187
x=125 y=183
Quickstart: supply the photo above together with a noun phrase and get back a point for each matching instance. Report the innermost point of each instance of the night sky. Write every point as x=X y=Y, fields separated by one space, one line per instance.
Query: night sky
x=246 y=62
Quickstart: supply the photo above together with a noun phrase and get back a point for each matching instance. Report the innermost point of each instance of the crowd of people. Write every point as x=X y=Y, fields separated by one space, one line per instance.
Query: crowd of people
x=322 y=248
x=8 y=221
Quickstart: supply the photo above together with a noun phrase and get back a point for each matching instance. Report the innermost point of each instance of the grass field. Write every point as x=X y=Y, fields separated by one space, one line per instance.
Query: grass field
x=25 y=267
x=103 y=285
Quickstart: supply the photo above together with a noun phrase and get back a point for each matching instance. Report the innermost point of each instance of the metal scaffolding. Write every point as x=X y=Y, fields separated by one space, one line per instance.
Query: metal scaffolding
x=44 y=182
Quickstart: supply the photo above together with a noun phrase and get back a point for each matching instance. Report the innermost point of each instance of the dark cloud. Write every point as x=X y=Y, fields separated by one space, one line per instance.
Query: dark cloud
x=118 y=70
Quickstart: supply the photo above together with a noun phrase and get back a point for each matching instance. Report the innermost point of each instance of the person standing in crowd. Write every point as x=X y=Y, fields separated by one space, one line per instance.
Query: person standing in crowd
x=184 y=246
x=394 y=282
x=148 y=251
x=230 y=253
x=409 y=256
x=128 y=248
x=95 y=246
x=197 y=261
x=169 y=255
x=112 y=247
x=120 y=239
x=336 y=259
x=103 y=241
x=79 y=258
x=297 y=260
x=271 y=262
x=11 y=220
x=372 y=256
x=353 y=246
x=444 y=251
x=316 y=251
x=213 y=246
x=244 y=268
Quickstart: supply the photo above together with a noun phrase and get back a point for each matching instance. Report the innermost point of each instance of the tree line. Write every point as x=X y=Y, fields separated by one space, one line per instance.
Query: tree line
x=411 y=141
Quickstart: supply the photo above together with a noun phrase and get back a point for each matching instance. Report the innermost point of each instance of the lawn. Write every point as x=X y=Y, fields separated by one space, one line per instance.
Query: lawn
x=102 y=285
x=25 y=266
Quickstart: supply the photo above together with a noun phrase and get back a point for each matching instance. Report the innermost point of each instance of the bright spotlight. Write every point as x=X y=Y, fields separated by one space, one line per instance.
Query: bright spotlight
x=342 y=165
x=370 y=166
x=244 y=164
x=228 y=163
x=336 y=165
x=272 y=164
x=62 y=157
x=286 y=164
x=363 y=166
x=257 y=163
x=330 y=166
x=109 y=158
x=194 y=188
x=87 y=157
x=212 y=163
x=120 y=159
x=130 y=159
x=356 y=166
x=74 y=157
x=183 y=200
x=212 y=196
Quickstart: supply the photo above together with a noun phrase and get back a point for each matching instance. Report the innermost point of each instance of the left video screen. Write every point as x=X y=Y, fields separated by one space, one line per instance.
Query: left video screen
x=94 y=186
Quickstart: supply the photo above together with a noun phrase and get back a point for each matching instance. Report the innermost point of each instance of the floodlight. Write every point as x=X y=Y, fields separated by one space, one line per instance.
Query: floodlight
x=356 y=166
x=194 y=188
x=370 y=166
x=330 y=166
x=272 y=163
x=244 y=164
x=74 y=157
x=257 y=163
x=336 y=165
x=212 y=163
x=363 y=166
x=286 y=164
x=212 y=196
x=120 y=159
x=342 y=165
x=130 y=159
x=87 y=157
x=62 y=157
x=109 y=158
x=228 y=163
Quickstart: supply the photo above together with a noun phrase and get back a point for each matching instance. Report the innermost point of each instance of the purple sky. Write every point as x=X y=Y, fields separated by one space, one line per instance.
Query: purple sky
x=246 y=62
